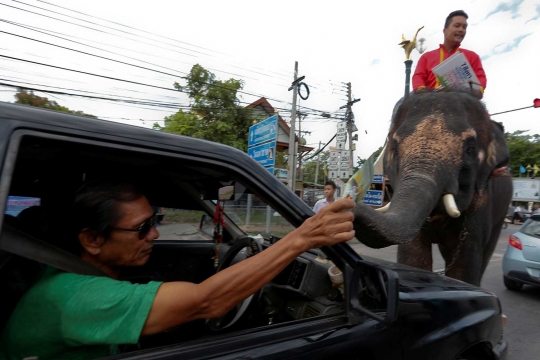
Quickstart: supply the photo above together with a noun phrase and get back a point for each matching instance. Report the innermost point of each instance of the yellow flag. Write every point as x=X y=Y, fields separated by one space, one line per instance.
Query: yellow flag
x=536 y=168
x=325 y=169
x=360 y=182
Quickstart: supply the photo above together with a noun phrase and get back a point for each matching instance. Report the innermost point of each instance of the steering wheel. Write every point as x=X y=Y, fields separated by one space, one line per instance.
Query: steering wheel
x=241 y=311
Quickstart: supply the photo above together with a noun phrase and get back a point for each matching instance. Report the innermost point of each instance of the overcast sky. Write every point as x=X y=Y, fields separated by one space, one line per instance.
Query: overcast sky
x=334 y=43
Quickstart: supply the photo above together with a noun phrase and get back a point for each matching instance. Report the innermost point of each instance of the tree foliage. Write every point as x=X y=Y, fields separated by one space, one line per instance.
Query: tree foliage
x=215 y=111
x=360 y=161
x=524 y=150
x=29 y=98
x=309 y=168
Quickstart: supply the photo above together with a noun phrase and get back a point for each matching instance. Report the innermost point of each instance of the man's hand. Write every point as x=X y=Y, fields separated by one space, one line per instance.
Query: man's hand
x=179 y=302
x=331 y=225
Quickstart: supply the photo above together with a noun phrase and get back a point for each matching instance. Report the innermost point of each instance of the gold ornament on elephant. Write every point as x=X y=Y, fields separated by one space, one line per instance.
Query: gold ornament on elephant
x=409 y=45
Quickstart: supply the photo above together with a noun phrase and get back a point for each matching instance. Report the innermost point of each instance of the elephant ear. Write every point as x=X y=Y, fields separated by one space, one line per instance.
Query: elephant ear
x=495 y=155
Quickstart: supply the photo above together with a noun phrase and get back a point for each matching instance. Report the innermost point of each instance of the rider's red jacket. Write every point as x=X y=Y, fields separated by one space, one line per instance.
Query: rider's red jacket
x=423 y=76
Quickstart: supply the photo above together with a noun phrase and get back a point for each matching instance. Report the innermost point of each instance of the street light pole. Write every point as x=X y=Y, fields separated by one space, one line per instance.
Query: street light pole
x=408 y=46
x=408 y=65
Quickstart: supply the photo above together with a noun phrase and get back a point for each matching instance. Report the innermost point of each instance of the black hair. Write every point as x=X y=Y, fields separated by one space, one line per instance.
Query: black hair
x=331 y=183
x=451 y=16
x=97 y=206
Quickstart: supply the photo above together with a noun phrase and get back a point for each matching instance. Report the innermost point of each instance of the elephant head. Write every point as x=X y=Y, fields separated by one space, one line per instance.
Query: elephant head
x=441 y=149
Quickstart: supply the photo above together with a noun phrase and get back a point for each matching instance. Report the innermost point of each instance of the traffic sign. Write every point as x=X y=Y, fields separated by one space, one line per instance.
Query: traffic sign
x=345 y=156
x=265 y=154
x=334 y=156
x=378 y=179
x=333 y=167
x=340 y=145
x=264 y=131
x=344 y=174
x=344 y=166
x=281 y=173
x=342 y=128
x=333 y=174
x=373 y=197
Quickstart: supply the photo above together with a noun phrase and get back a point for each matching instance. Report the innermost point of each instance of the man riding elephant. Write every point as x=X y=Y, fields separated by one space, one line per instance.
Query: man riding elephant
x=440 y=155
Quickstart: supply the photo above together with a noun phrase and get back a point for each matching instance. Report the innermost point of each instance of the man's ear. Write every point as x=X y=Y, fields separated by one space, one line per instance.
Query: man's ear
x=90 y=241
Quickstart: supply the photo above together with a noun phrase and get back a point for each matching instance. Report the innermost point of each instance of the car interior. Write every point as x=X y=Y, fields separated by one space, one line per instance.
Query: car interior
x=52 y=169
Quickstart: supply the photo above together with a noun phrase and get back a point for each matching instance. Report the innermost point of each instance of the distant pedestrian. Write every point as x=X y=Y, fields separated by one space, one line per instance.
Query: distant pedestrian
x=535 y=209
x=329 y=192
x=517 y=214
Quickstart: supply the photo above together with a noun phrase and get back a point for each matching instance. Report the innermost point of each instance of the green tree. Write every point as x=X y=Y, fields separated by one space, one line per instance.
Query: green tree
x=360 y=161
x=29 y=98
x=524 y=150
x=309 y=167
x=215 y=111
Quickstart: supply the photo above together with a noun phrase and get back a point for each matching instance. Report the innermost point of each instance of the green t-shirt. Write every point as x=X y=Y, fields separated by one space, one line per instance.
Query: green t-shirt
x=70 y=316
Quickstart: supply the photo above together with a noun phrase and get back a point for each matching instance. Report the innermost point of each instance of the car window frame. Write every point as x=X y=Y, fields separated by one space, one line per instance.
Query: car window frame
x=303 y=327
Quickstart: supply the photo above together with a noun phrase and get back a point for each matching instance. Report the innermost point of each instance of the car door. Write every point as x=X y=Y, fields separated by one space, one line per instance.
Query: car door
x=62 y=159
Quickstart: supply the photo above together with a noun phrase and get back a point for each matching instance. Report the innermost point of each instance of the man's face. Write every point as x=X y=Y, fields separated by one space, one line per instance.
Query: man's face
x=329 y=192
x=124 y=248
x=456 y=31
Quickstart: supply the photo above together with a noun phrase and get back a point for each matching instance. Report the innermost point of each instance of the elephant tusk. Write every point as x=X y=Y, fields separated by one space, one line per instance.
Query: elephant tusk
x=384 y=208
x=450 y=205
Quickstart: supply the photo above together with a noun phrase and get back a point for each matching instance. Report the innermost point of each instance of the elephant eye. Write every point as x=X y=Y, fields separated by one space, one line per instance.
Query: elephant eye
x=470 y=149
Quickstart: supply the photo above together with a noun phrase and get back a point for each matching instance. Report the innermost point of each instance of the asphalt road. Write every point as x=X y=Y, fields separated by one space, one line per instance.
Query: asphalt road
x=522 y=308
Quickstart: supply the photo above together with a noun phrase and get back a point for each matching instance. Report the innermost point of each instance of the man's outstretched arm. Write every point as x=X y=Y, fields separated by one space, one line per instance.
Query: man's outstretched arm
x=180 y=302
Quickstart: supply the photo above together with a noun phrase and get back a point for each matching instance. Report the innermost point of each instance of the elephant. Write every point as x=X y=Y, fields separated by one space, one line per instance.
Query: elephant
x=441 y=152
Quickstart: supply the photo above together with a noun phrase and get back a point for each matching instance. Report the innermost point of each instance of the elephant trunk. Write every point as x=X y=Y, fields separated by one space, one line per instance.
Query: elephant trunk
x=412 y=203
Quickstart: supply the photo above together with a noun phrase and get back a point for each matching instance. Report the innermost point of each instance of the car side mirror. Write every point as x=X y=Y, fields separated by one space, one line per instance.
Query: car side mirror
x=373 y=291
x=206 y=225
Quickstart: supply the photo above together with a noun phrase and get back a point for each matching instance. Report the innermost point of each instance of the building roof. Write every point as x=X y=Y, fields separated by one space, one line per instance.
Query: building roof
x=264 y=105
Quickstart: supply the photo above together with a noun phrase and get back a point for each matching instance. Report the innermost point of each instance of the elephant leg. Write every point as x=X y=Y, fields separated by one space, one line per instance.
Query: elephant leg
x=464 y=259
x=416 y=253
x=490 y=246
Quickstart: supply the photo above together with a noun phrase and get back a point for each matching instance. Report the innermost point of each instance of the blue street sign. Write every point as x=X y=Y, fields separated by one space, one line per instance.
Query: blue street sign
x=378 y=179
x=264 y=131
x=265 y=154
x=373 y=198
x=281 y=173
x=271 y=169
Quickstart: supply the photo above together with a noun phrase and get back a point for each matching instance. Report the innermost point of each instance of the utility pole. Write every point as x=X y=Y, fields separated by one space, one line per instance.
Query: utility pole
x=291 y=176
x=317 y=167
x=300 y=133
x=350 y=124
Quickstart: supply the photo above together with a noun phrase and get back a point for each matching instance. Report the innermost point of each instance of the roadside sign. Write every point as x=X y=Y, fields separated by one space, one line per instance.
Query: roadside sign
x=333 y=167
x=334 y=157
x=281 y=173
x=373 y=198
x=265 y=154
x=344 y=174
x=341 y=135
x=264 y=131
x=345 y=156
x=378 y=179
x=333 y=174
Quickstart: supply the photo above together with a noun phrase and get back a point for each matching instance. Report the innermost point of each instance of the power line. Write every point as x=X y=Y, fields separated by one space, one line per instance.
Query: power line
x=143 y=31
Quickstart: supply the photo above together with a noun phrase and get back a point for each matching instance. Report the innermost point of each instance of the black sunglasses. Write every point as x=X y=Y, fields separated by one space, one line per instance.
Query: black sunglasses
x=144 y=229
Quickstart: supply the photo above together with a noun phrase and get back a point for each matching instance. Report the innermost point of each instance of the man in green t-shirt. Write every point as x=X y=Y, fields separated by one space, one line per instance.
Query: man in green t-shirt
x=70 y=316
